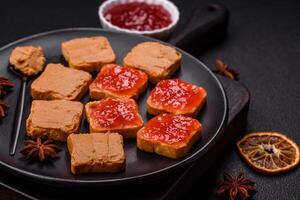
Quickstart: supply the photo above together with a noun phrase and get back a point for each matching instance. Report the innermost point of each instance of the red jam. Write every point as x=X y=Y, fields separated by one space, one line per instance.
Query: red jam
x=138 y=16
x=177 y=96
x=115 y=113
x=170 y=128
x=121 y=80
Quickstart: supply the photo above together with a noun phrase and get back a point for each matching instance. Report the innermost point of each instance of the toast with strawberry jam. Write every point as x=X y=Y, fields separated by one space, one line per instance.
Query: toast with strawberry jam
x=176 y=96
x=116 y=81
x=114 y=115
x=169 y=135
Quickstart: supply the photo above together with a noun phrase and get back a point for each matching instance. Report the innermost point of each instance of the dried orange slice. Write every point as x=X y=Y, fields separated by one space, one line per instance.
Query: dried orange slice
x=269 y=152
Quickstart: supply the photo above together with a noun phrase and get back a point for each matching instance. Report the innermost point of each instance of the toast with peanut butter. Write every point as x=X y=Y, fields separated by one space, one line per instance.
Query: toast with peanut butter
x=59 y=82
x=159 y=61
x=56 y=119
x=92 y=153
x=88 y=53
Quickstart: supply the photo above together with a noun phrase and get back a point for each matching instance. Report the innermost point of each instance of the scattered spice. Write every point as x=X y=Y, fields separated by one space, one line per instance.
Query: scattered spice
x=39 y=149
x=5 y=84
x=236 y=187
x=224 y=70
x=3 y=108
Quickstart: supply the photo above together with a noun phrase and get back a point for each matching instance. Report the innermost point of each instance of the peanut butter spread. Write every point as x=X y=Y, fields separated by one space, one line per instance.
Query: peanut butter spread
x=28 y=59
x=99 y=152
x=59 y=82
x=88 y=53
x=152 y=57
x=56 y=116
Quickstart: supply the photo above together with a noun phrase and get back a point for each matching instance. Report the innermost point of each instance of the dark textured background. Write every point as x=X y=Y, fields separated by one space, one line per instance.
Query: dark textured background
x=262 y=44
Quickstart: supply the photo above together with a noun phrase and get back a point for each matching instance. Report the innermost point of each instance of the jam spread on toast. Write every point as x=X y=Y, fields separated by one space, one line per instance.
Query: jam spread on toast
x=122 y=80
x=170 y=128
x=175 y=94
x=138 y=16
x=115 y=113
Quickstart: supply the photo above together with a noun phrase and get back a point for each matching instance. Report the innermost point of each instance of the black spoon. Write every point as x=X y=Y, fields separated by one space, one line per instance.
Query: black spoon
x=20 y=108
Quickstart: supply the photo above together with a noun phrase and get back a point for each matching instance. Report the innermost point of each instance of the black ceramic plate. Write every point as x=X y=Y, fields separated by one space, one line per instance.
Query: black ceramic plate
x=140 y=165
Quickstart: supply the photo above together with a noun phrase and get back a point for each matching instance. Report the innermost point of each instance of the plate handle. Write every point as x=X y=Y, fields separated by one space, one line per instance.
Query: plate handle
x=207 y=26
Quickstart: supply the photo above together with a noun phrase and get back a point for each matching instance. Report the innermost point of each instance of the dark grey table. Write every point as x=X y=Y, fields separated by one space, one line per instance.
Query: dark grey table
x=262 y=44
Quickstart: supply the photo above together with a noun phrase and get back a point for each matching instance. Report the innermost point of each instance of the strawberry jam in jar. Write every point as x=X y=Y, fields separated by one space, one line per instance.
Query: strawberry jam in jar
x=139 y=16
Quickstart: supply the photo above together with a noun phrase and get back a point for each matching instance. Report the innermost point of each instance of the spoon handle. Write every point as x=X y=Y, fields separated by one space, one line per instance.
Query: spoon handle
x=18 y=118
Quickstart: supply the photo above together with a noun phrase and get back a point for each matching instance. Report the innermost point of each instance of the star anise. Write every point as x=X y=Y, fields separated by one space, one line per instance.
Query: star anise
x=236 y=187
x=5 y=84
x=3 y=108
x=39 y=149
x=224 y=70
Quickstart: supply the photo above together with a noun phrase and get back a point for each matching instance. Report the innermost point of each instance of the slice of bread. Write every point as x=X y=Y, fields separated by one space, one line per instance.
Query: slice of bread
x=176 y=96
x=114 y=115
x=56 y=119
x=59 y=82
x=91 y=153
x=169 y=135
x=88 y=53
x=159 y=61
x=116 y=81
